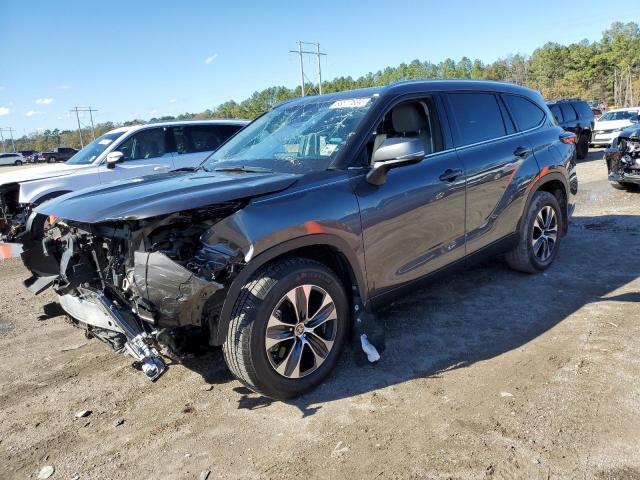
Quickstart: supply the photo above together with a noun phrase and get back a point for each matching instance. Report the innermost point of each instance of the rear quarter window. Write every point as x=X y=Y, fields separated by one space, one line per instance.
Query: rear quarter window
x=526 y=114
x=583 y=109
x=477 y=116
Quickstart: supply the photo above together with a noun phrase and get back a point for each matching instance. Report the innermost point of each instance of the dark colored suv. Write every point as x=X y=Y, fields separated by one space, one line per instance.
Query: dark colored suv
x=323 y=208
x=575 y=115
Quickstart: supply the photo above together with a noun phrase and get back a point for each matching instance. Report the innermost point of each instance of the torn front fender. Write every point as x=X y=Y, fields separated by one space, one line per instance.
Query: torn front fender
x=176 y=295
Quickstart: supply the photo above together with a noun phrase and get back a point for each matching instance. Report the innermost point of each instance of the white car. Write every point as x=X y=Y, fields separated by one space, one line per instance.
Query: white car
x=612 y=122
x=123 y=153
x=11 y=159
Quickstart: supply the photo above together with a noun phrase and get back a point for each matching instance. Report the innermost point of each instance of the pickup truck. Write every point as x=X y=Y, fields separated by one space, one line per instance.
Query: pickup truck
x=60 y=154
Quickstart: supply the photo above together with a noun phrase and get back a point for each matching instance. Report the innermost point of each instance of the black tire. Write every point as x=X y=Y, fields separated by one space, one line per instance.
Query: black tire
x=17 y=163
x=51 y=160
x=245 y=347
x=630 y=187
x=582 y=148
x=523 y=258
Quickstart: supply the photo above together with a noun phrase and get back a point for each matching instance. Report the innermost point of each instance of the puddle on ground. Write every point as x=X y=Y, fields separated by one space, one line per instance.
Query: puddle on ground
x=10 y=250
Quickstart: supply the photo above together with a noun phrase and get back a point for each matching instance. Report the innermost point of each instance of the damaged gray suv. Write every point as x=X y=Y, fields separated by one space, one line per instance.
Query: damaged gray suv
x=322 y=208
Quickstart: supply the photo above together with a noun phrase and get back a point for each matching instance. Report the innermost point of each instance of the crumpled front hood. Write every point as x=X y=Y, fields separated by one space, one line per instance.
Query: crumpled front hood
x=37 y=173
x=631 y=132
x=156 y=195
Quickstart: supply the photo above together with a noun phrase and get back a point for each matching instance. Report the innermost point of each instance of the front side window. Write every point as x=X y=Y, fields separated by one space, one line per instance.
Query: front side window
x=93 y=150
x=526 y=114
x=478 y=117
x=146 y=144
x=297 y=137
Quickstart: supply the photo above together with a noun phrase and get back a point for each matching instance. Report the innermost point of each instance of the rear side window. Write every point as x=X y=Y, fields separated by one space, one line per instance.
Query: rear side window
x=583 y=109
x=568 y=112
x=201 y=138
x=526 y=114
x=478 y=117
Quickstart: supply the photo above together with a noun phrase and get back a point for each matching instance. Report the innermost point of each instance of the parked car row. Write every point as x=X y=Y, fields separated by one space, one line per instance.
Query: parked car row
x=297 y=227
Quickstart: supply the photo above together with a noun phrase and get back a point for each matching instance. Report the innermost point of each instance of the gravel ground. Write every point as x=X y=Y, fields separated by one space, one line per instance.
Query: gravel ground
x=488 y=373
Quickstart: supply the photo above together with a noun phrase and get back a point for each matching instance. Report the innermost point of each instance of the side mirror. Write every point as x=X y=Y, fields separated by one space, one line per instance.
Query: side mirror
x=113 y=158
x=393 y=153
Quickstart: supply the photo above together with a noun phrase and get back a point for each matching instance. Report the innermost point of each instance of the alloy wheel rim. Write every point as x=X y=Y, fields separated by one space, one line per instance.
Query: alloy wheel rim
x=544 y=234
x=301 y=331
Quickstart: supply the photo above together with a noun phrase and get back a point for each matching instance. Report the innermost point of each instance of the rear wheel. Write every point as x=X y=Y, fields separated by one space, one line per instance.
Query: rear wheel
x=582 y=148
x=288 y=328
x=52 y=160
x=539 y=236
x=17 y=163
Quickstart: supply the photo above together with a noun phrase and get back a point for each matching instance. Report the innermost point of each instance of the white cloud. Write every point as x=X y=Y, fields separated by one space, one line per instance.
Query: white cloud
x=210 y=59
x=4 y=111
x=63 y=87
x=173 y=100
x=31 y=113
x=44 y=101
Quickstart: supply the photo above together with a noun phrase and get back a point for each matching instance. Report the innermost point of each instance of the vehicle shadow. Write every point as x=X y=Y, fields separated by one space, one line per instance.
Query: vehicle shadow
x=475 y=315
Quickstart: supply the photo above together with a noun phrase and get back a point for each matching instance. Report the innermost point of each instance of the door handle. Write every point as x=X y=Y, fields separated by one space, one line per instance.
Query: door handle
x=522 y=152
x=449 y=175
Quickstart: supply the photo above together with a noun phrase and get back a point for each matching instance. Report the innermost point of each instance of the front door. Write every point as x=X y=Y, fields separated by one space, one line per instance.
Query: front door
x=144 y=153
x=413 y=224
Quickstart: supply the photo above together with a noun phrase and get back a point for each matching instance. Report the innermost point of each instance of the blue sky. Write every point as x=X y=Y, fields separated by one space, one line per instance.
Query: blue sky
x=142 y=58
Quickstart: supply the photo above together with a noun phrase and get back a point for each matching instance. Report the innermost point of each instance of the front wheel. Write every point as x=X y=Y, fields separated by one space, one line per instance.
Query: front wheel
x=539 y=236
x=288 y=328
x=17 y=163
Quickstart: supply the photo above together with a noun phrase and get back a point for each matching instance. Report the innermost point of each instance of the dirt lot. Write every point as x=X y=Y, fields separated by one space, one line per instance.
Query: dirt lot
x=490 y=373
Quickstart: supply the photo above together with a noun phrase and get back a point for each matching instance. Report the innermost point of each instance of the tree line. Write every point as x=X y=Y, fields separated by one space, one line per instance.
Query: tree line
x=606 y=70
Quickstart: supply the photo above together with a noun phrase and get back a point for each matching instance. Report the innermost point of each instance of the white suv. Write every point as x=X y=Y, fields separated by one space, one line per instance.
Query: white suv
x=122 y=153
x=11 y=159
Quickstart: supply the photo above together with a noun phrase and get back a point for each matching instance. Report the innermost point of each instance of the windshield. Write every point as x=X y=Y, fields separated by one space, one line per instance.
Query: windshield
x=89 y=153
x=620 y=115
x=296 y=138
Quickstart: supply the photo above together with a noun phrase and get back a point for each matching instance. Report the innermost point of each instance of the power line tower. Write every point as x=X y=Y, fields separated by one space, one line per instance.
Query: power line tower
x=84 y=109
x=318 y=54
x=10 y=130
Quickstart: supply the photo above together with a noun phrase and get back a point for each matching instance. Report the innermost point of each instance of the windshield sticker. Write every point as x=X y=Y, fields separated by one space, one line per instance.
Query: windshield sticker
x=105 y=141
x=328 y=149
x=350 y=103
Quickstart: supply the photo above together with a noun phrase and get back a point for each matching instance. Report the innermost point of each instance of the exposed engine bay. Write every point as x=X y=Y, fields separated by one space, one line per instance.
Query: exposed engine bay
x=136 y=284
x=13 y=215
x=623 y=158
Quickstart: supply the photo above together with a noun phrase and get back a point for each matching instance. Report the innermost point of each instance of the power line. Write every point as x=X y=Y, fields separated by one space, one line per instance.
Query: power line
x=84 y=109
x=318 y=54
x=10 y=130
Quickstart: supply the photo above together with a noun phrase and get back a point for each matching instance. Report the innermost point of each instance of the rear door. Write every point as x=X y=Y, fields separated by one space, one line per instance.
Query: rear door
x=145 y=152
x=492 y=152
x=194 y=143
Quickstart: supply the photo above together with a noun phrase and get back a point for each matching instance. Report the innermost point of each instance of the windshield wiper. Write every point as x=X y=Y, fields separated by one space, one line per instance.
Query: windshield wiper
x=241 y=168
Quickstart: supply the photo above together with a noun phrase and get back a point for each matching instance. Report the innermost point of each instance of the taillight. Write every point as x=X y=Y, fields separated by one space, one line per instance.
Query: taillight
x=568 y=137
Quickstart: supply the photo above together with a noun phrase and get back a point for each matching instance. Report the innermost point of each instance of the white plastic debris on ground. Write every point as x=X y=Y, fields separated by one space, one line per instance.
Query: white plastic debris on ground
x=372 y=354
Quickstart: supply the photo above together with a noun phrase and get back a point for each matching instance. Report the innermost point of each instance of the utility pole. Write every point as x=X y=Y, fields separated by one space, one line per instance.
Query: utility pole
x=10 y=130
x=77 y=110
x=2 y=140
x=318 y=54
